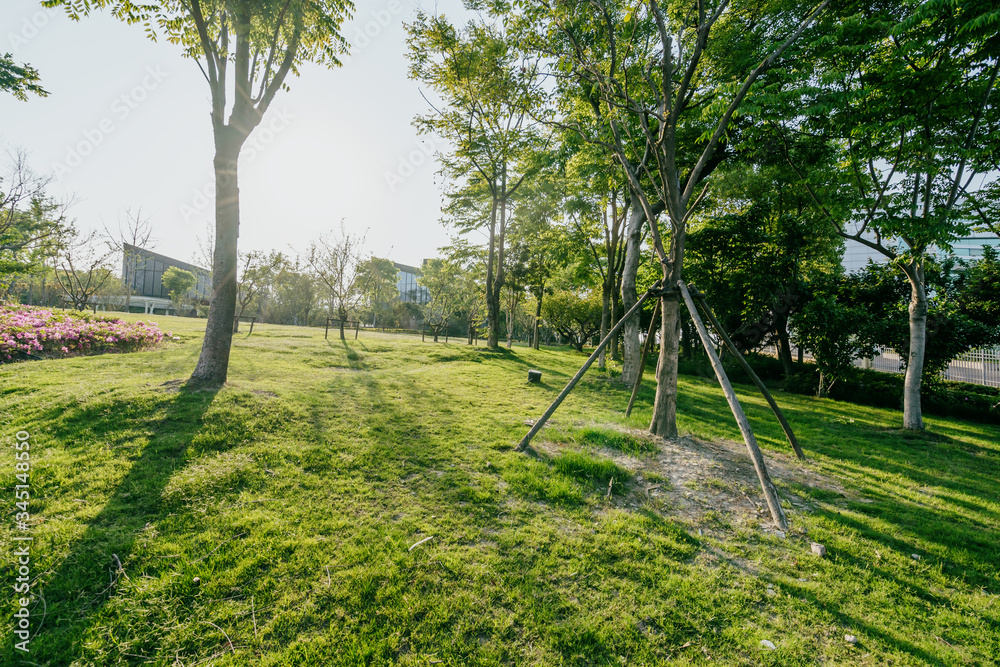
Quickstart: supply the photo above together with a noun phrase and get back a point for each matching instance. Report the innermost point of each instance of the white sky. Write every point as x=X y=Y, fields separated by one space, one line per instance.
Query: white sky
x=140 y=112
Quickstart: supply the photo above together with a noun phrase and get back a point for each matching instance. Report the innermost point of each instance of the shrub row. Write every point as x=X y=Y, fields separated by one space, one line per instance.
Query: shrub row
x=865 y=387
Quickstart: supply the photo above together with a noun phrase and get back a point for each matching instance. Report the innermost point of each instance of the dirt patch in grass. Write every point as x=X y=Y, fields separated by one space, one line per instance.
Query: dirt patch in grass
x=711 y=486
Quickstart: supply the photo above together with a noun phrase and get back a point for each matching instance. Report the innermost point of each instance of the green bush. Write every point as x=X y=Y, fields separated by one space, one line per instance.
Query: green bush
x=864 y=387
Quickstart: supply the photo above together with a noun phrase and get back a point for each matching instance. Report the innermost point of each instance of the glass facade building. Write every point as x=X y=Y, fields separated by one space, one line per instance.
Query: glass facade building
x=144 y=269
x=409 y=290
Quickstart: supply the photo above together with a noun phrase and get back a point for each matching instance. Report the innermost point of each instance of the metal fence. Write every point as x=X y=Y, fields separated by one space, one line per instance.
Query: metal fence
x=980 y=366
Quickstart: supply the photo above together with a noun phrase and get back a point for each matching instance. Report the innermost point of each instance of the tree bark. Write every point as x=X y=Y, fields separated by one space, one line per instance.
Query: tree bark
x=492 y=294
x=605 y=319
x=664 y=421
x=912 y=413
x=630 y=331
x=538 y=316
x=213 y=364
x=784 y=346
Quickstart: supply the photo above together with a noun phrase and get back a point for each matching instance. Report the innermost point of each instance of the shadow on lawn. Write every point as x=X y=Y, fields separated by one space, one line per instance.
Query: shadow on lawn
x=944 y=507
x=88 y=575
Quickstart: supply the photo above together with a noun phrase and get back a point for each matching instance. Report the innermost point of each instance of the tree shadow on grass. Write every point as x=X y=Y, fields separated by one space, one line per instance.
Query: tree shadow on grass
x=88 y=575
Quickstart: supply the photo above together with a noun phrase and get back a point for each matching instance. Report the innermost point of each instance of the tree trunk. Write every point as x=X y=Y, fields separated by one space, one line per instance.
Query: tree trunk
x=510 y=328
x=784 y=347
x=538 y=317
x=912 y=413
x=498 y=280
x=612 y=321
x=492 y=296
x=343 y=316
x=630 y=331
x=605 y=317
x=213 y=364
x=664 y=421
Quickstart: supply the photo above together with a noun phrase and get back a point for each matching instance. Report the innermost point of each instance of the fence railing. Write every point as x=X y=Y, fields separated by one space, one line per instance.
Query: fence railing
x=980 y=366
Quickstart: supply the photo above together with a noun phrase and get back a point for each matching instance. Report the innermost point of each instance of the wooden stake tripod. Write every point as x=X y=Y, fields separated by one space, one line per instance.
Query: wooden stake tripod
x=767 y=486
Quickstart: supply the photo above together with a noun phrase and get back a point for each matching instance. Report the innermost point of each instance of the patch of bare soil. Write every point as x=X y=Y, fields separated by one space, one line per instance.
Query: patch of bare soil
x=711 y=486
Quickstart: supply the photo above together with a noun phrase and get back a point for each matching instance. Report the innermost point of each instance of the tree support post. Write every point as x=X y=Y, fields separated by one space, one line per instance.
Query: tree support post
x=357 y=328
x=576 y=378
x=326 y=336
x=770 y=493
x=642 y=360
x=792 y=440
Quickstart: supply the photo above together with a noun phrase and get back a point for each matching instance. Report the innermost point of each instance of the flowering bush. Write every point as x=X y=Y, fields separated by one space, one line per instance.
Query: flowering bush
x=26 y=331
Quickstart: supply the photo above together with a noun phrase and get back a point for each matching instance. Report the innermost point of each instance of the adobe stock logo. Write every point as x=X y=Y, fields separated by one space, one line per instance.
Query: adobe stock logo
x=30 y=27
x=121 y=108
x=365 y=34
x=203 y=198
x=407 y=165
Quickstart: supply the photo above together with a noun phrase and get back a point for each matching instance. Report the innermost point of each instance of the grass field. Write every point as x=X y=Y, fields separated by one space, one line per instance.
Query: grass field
x=271 y=522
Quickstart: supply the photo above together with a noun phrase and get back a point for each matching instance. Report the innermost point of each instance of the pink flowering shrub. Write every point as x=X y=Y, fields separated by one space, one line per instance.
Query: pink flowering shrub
x=27 y=331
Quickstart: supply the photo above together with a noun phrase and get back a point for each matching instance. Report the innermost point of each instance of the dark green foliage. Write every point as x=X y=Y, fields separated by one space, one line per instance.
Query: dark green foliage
x=868 y=387
x=19 y=80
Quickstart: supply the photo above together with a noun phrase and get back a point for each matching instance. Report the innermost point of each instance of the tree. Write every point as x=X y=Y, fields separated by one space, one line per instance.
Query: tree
x=257 y=271
x=19 y=80
x=132 y=234
x=178 y=282
x=336 y=263
x=379 y=292
x=248 y=48
x=293 y=295
x=665 y=83
x=907 y=99
x=963 y=308
x=575 y=315
x=487 y=87
x=443 y=280
x=832 y=330
x=542 y=242
x=471 y=284
x=83 y=268
x=32 y=224
x=598 y=211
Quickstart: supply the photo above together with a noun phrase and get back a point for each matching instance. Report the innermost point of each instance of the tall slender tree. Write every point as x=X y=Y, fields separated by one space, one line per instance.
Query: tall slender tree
x=666 y=82
x=487 y=87
x=248 y=47
x=908 y=98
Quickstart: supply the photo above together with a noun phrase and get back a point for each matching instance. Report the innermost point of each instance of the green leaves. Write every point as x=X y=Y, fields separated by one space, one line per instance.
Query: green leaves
x=19 y=80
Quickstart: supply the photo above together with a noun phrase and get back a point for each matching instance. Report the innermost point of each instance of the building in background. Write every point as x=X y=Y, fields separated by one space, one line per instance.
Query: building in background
x=143 y=271
x=409 y=290
x=967 y=248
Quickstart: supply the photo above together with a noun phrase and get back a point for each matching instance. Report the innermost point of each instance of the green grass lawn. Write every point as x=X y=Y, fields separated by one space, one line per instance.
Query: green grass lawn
x=294 y=494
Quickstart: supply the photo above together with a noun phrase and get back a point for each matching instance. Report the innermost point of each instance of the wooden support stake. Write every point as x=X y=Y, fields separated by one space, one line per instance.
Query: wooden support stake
x=576 y=378
x=327 y=334
x=642 y=361
x=770 y=493
x=792 y=440
x=357 y=328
